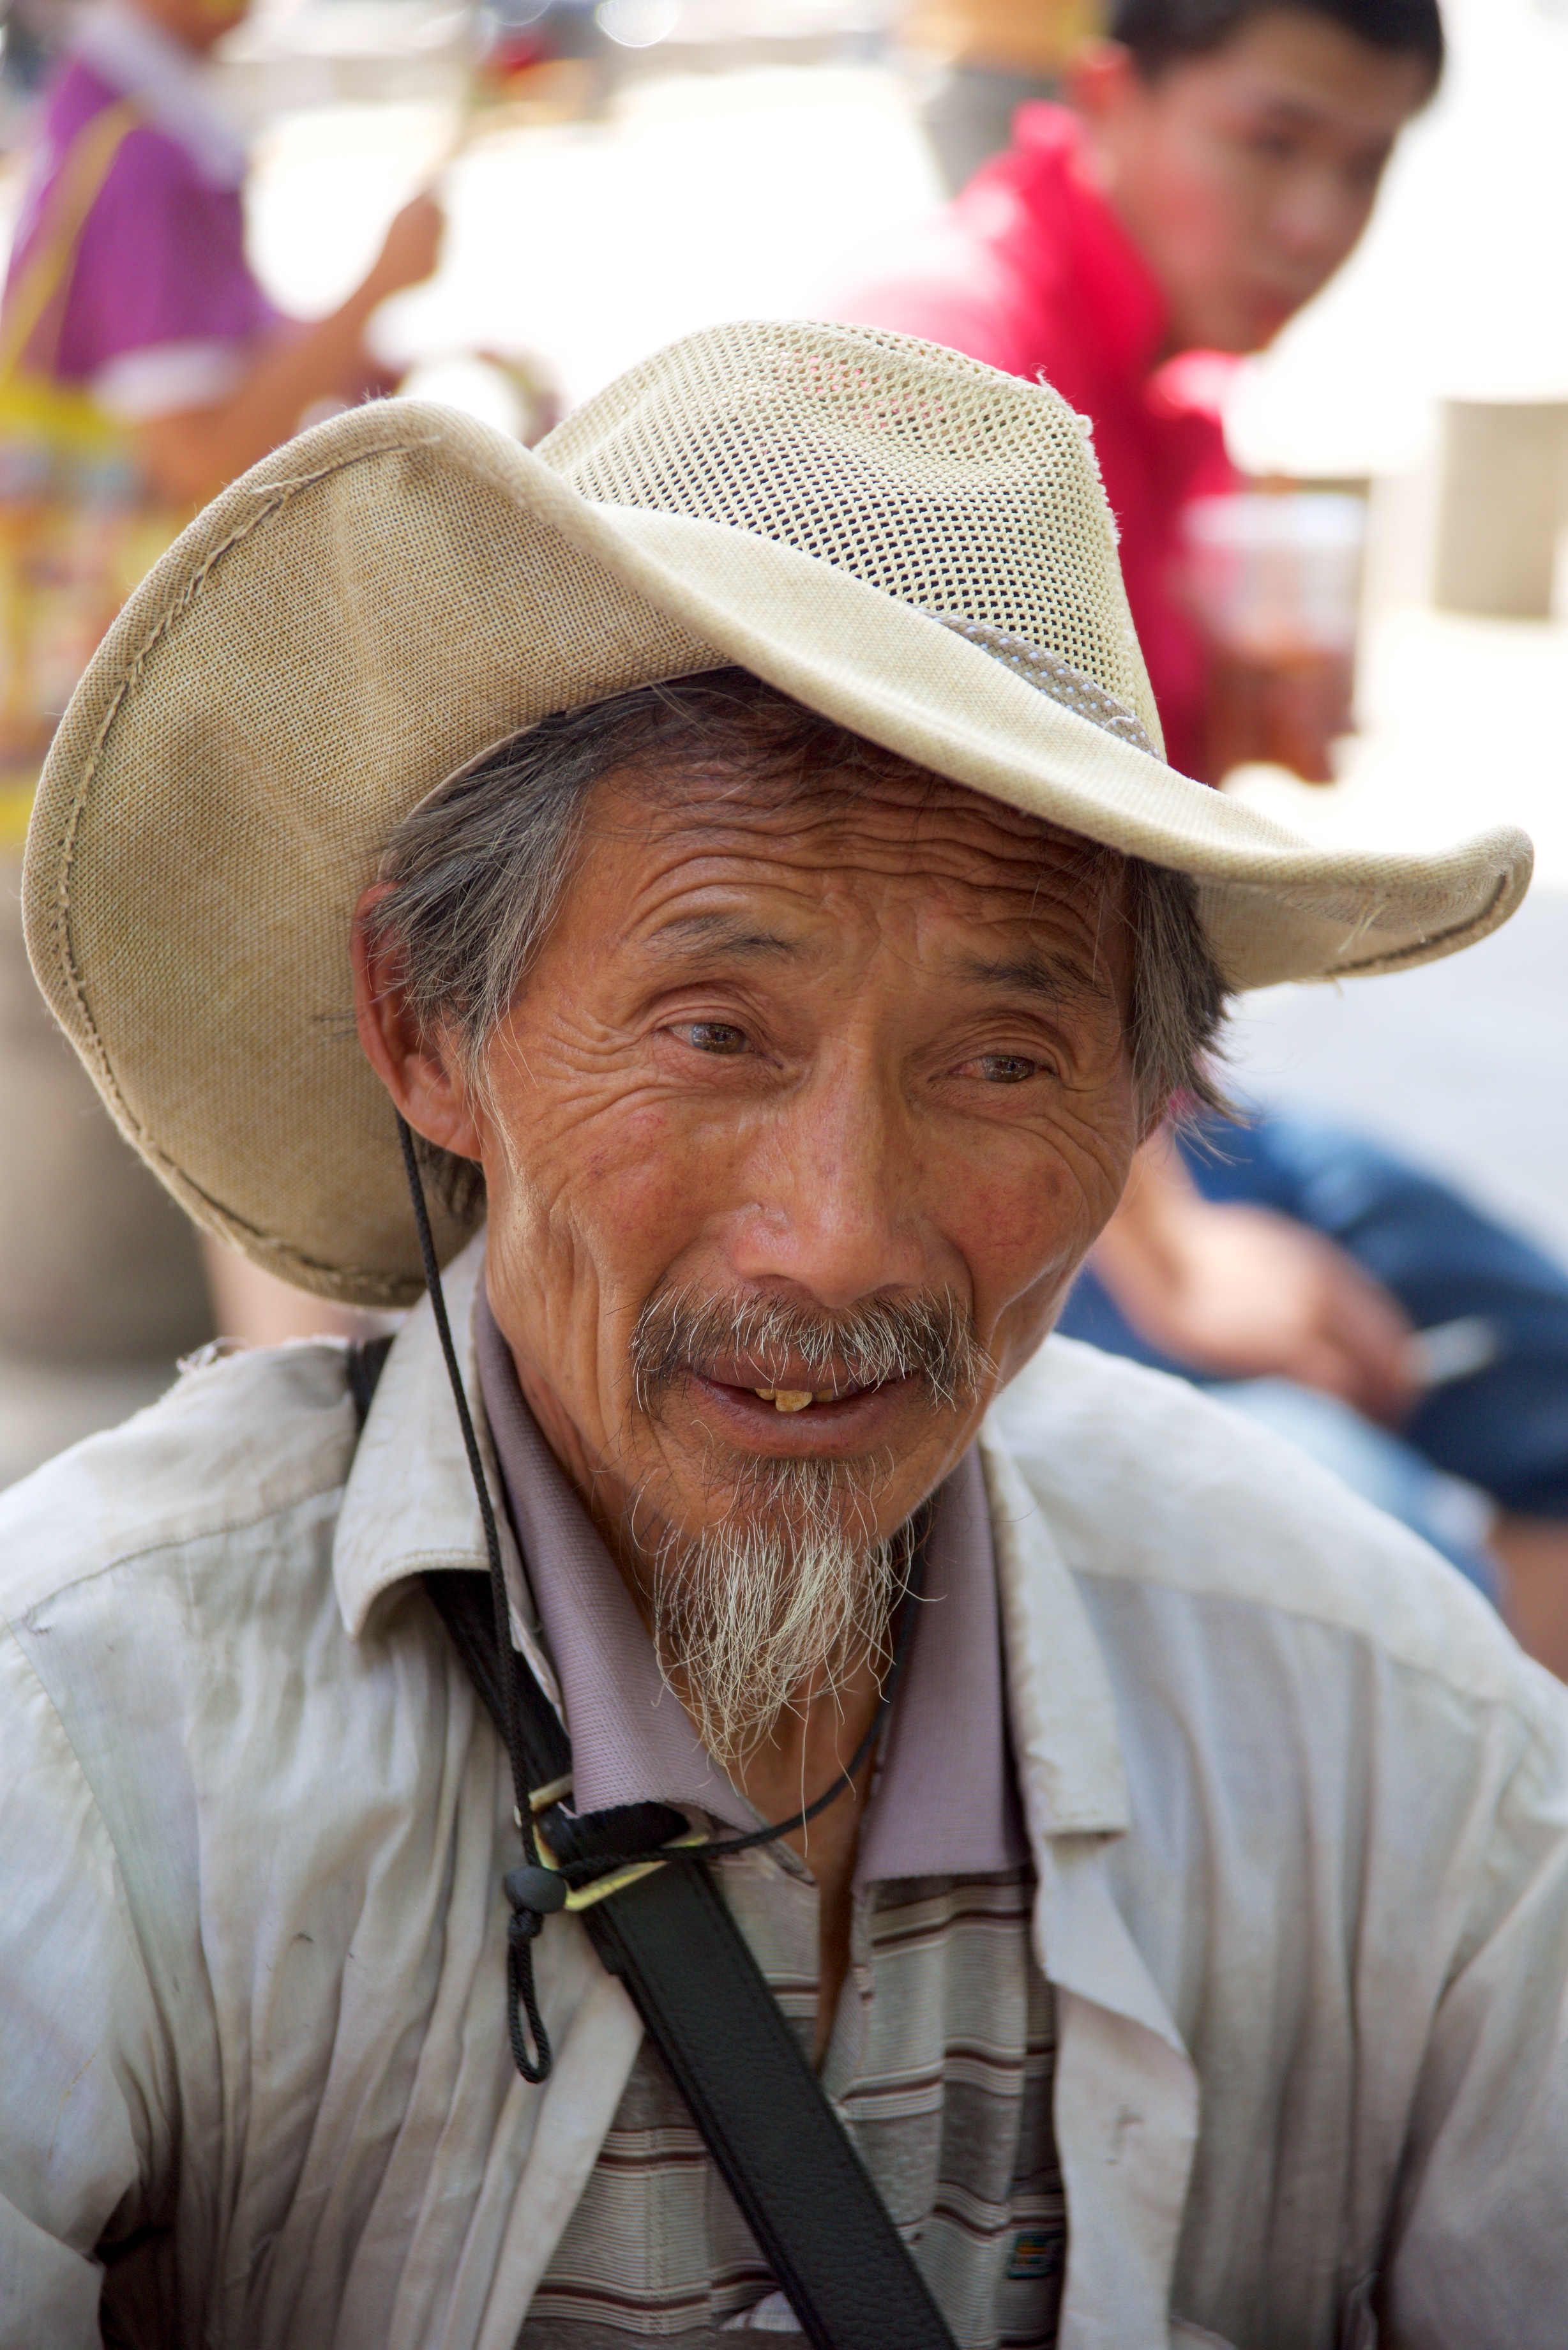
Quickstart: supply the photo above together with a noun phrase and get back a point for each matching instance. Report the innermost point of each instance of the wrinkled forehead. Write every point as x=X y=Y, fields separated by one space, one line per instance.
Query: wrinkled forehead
x=875 y=813
x=885 y=869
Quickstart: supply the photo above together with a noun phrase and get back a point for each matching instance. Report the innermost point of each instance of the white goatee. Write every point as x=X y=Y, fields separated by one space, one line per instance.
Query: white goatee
x=777 y=1605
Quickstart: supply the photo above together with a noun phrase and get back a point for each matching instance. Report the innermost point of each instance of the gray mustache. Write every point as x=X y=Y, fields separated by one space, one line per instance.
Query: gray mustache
x=931 y=1338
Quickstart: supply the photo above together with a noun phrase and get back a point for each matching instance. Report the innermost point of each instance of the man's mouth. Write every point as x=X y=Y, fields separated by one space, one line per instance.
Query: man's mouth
x=836 y=1383
x=746 y=1382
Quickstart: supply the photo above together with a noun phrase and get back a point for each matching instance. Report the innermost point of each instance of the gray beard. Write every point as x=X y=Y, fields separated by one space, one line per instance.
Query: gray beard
x=772 y=1609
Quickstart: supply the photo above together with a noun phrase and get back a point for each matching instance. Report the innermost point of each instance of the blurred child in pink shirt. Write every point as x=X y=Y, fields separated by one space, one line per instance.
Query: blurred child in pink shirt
x=157 y=314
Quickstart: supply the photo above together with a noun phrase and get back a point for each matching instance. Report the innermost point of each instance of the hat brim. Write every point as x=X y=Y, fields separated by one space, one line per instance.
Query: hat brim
x=377 y=602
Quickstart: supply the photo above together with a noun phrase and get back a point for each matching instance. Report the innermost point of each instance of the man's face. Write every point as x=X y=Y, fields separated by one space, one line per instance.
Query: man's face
x=860 y=1058
x=1248 y=175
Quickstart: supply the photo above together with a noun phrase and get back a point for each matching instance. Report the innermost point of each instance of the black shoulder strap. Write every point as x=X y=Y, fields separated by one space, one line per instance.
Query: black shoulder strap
x=785 y=2157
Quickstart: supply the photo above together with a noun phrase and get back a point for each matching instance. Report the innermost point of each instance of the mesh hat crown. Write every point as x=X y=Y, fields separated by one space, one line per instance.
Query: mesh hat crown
x=926 y=486
x=913 y=544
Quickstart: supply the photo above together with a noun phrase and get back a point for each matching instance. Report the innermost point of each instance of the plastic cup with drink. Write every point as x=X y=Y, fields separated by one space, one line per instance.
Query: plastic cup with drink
x=1275 y=580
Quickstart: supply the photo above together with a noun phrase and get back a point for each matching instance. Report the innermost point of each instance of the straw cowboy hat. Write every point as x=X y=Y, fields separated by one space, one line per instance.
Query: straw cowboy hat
x=914 y=545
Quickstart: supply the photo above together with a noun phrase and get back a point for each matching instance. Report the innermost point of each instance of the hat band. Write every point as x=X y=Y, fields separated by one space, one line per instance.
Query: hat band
x=1049 y=673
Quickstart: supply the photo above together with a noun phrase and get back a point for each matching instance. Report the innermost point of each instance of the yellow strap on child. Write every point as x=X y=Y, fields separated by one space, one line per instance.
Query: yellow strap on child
x=63 y=572
x=77 y=185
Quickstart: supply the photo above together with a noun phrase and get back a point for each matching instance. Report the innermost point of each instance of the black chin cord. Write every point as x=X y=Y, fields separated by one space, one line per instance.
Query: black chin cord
x=534 y=1891
x=523 y=1924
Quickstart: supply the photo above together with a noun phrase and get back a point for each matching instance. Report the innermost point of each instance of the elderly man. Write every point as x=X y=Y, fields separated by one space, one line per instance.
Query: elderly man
x=744 y=822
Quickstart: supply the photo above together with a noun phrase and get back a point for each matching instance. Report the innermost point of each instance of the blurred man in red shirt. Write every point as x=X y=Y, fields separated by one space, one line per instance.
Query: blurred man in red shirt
x=1218 y=163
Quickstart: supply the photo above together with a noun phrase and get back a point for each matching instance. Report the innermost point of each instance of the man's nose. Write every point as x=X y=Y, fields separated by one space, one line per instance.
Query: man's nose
x=834 y=1187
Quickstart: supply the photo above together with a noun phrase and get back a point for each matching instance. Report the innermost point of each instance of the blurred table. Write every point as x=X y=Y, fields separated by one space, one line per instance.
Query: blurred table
x=1464 y=1063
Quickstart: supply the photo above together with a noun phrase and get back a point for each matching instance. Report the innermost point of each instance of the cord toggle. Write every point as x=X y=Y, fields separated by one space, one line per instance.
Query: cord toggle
x=534 y=1892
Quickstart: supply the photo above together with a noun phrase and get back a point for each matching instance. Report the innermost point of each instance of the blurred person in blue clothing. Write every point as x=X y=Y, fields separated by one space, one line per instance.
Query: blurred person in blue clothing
x=1236 y=1274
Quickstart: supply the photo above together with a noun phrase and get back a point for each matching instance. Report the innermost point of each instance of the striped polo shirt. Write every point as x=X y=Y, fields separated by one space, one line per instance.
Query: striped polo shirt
x=941 y=2056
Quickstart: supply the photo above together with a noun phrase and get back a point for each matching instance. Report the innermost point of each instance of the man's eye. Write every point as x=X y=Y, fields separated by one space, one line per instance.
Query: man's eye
x=1006 y=1068
x=713 y=1036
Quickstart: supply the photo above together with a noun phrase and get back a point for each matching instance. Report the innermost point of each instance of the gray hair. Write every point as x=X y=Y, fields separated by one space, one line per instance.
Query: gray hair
x=479 y=867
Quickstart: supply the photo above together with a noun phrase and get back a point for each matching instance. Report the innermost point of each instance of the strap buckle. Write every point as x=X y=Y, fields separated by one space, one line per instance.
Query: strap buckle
x=582 y=1897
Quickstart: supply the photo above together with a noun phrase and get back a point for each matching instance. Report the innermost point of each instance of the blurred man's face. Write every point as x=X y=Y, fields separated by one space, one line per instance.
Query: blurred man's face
x=1247 y=175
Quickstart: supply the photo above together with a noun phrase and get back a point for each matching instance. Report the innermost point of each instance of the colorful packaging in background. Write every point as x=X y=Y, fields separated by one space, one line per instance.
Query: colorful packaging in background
x=77 y=532
x=77 y=525
x=1275 y=580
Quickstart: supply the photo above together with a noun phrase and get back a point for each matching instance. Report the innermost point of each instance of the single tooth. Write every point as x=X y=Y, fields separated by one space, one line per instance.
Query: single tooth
x=766 y=1394
x=791 y=1398
x=825 y=1395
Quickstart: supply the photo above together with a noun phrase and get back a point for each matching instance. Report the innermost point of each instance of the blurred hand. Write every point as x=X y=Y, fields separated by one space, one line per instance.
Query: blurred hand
x=1289 y=713
x=1241 y=1293
x=410 y=251
x=376 y=381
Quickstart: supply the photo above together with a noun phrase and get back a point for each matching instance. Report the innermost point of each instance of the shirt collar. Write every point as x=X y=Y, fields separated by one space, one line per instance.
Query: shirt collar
x=141 y=61
x=944 y=1802
x=408 y=1505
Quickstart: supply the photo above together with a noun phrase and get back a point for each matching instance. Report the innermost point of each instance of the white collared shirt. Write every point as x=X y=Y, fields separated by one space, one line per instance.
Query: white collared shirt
x=1297 y=1808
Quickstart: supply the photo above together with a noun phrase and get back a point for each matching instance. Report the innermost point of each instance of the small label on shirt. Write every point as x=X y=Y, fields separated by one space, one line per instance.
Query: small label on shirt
x=1036 y=2253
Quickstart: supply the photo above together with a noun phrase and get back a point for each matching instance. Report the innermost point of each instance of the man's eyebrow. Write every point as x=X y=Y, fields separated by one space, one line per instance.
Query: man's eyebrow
x=726 y=933
x=1056 y=979
x=1291 y=110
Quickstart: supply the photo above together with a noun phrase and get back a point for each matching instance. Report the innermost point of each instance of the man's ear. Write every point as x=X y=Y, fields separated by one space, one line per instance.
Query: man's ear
x=426 y=1086
x=1102 y=80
